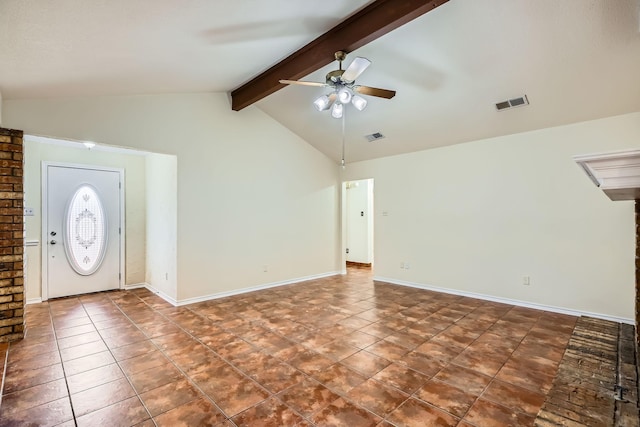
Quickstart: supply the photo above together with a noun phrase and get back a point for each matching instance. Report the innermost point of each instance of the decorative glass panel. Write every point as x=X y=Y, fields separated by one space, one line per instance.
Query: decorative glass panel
x=85 y=236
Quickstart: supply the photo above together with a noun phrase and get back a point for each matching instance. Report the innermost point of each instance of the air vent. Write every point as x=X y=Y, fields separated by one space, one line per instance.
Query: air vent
x=374 y=136
x=512 y=103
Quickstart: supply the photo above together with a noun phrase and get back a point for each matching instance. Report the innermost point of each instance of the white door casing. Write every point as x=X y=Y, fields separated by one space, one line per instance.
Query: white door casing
x=359 y=220
x=78 y=203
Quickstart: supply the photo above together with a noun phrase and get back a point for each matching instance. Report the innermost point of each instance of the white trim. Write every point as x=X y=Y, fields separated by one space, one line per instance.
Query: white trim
x=255 y=288
x=80 y=145
x=33 y=301
x=371 y=200
x=193 y=300
x=163 y=295
x=509 y=301
x=135 y=286
x=158 y=292
x=44 y=175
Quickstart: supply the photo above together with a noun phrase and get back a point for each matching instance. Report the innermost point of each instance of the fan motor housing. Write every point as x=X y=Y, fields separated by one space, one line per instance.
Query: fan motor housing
x=334 y=76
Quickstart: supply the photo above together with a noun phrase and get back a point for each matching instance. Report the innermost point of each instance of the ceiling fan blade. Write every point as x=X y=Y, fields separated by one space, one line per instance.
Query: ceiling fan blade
x=301 y=82
x=374 y=91
x=354 y=69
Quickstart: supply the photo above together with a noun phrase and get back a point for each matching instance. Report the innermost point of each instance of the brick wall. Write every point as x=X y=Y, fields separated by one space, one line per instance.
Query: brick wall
x=11 y=236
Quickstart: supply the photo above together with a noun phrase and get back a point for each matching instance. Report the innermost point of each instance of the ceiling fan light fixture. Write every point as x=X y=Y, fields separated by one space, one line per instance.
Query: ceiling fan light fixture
x=345 y=95
x=359 y=102
x=322 y=103
x=336 y=110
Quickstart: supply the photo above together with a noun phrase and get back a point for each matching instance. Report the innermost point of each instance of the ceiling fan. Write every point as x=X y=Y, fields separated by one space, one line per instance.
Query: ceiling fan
x=345 y=90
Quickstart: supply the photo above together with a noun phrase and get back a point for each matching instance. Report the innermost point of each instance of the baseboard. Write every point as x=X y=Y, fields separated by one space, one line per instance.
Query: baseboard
x=135 y=286
x=168 y=298
x=151 y=289
x=33 y=301
x=254 y=288
x=509 y=301
x=177 y=303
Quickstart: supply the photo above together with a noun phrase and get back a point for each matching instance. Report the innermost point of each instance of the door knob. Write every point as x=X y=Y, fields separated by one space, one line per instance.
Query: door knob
x=53 y=242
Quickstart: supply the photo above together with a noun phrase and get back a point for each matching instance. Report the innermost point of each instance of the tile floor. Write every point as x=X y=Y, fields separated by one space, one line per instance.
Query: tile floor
x=340 y=351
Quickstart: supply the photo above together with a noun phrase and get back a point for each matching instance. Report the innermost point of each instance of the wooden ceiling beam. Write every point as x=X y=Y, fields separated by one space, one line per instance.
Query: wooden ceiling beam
x=371 y=22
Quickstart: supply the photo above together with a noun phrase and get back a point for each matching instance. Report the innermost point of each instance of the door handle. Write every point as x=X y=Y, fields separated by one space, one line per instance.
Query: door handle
x=53 y=242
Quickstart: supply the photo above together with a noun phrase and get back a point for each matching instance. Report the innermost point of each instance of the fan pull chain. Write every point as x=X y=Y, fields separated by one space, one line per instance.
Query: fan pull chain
x=344 y=115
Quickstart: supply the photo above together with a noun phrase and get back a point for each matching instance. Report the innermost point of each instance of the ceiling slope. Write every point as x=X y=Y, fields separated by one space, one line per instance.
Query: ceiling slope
x=370 y=23
x=574 y=60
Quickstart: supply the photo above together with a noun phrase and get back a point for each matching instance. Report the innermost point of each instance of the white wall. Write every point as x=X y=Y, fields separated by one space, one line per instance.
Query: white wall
x=480 y=216
x=359 y=227
x=134 y=165
x=162 y=185
x=250 y=192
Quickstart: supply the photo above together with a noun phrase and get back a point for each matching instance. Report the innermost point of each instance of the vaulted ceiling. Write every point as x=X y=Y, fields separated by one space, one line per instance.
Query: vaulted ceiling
x=574 y=59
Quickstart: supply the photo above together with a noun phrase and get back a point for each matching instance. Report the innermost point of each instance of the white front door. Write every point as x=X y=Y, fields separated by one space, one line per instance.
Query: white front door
x=81 y=247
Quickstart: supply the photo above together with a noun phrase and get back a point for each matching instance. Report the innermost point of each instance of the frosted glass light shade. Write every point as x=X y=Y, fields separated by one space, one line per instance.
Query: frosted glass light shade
x=344 y=95
x=322 y=103
x=359 y=102
x=336 y=110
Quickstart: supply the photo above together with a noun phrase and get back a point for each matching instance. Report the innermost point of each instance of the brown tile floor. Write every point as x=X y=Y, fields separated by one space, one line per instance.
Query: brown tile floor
x=337 y=351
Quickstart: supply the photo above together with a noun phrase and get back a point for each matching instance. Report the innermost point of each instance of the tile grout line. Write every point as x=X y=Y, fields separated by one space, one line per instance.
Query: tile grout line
x=501 y=366
x=451 y=362
x=493 y=378
x=447 y=364
x=80 y=373
x=371 y=377
x=116 y=361
x=260 y=320
x=64 y=372
x=63 y=361
x=274 y=395
x=188 y=377
x=505 y=362
x=433 y=377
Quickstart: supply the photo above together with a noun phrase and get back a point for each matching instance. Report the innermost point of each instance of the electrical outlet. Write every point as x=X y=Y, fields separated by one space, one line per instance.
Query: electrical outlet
x=28 y=212
x=407 y=265
x=265 y=268
x=402 y=264
x=526 y=280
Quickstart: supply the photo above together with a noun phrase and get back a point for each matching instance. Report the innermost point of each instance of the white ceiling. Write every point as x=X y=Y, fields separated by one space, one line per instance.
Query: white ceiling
x=575 y=59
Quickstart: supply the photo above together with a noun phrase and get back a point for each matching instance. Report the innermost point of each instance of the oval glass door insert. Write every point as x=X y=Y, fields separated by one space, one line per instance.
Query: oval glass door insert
x=85 y=235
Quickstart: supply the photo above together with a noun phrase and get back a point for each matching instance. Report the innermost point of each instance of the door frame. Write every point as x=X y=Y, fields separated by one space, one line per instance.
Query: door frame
x=44 y=279
x=371 y=200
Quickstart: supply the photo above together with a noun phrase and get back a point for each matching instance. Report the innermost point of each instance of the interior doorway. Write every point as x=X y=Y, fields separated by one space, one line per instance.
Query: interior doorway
x=358 y=218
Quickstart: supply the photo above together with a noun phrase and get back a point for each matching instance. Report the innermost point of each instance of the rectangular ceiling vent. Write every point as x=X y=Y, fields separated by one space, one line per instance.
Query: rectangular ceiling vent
x=512 y=103
x=374 y=136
